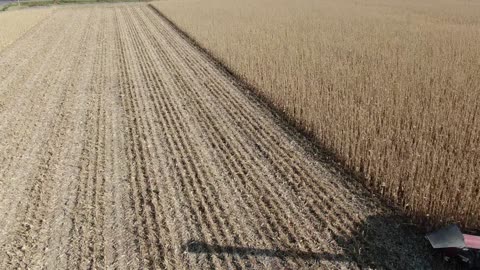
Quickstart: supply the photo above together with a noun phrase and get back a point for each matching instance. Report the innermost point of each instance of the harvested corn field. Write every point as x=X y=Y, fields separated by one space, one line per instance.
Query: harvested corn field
x=123 y=146
x=14 y=24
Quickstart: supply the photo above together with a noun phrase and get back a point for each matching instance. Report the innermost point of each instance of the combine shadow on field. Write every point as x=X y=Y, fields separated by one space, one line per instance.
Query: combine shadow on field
x=390 y=242
x=382 y=242
x=201 y=247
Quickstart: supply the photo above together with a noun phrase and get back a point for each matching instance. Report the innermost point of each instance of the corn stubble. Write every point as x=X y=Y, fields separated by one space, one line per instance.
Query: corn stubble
x=393 y=88
x=14 y=24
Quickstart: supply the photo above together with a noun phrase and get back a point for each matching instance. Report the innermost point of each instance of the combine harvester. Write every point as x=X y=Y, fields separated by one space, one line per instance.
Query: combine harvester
x=455 y=244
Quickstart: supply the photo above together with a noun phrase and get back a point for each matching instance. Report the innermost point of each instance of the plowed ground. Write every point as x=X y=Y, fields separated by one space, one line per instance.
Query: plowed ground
x=124 y=146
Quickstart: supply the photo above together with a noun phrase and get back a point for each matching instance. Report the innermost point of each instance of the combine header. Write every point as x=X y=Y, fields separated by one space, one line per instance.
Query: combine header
x=455 y=244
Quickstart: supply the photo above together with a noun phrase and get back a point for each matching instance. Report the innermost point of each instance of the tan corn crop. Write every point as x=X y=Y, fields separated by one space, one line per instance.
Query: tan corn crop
x=392 y=87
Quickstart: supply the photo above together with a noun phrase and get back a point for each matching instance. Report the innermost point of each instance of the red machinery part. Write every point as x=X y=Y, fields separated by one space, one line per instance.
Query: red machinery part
x=471 y=241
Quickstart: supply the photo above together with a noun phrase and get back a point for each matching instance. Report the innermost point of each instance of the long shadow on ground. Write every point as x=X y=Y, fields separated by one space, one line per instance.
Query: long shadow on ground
x=201 y=247
x=382 y=242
